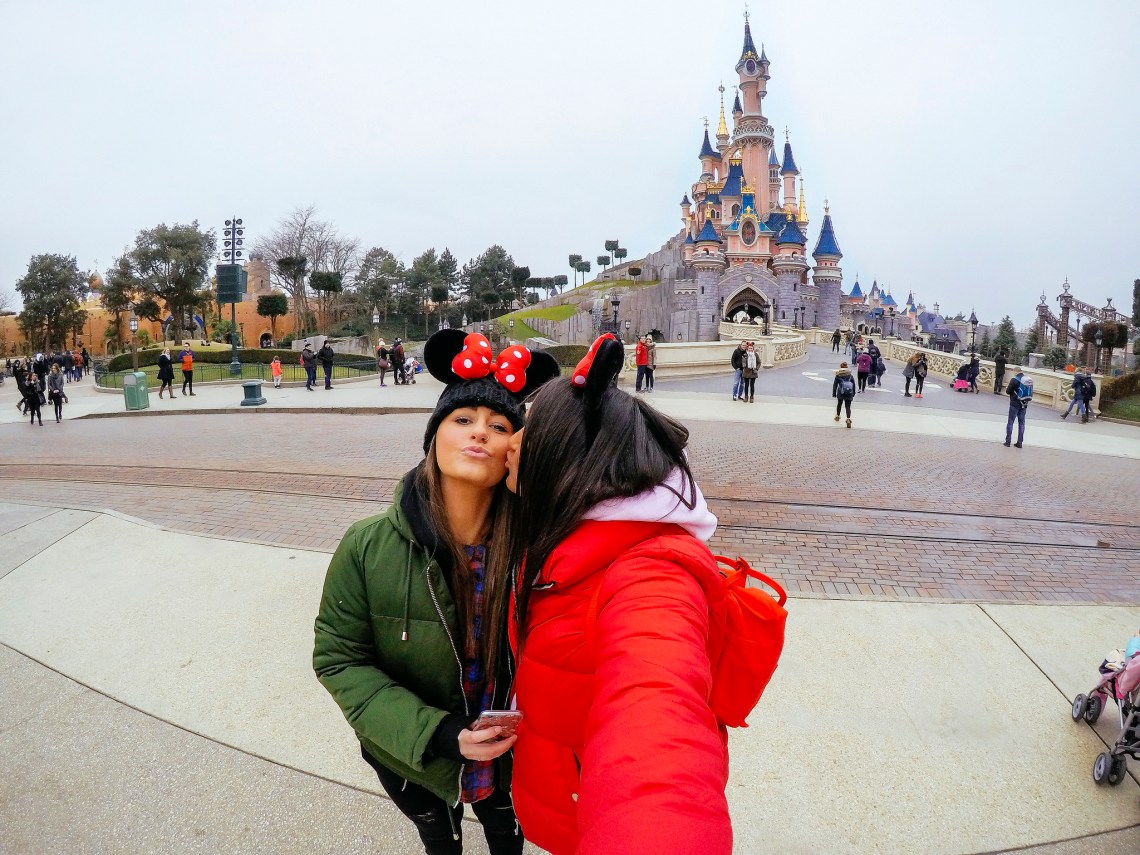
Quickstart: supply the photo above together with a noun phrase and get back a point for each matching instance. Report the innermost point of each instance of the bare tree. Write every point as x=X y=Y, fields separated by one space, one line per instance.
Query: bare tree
x=7 y=299
x=302 y=235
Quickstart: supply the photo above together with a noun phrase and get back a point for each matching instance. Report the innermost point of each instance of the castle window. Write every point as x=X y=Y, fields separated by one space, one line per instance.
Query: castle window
x=702 y=289
x=735 y=211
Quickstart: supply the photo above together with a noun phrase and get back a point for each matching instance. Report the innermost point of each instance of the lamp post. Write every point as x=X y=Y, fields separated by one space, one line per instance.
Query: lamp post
x=627 y=330
x=891 y=312
x=232 y=239
x=973 y=331
x=795 y=317
x=615 y=301
x=375 y=329
x=511 y=328
x=1099 y=341
x=133 y=323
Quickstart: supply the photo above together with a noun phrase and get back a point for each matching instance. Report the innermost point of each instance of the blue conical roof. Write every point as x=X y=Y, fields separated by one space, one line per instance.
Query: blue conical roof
x=733 y=180
x=827 y=244
x=689 y=238
x=749 y=51
x=888 y=300
x=856 y=291
x=708 y=232
x=772 y=159
x=685 y=200
x=789 y=161
x=790 y=233
x=707 y=150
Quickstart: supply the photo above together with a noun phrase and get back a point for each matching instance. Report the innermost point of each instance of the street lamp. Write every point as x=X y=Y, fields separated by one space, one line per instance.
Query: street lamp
x=511 y=327
x=627 y=329
x=1099 y=341
x=973 y=331
x=891 y=311
x=233 y=239
x=375 y=328
x=615 y=301
x=133 y=323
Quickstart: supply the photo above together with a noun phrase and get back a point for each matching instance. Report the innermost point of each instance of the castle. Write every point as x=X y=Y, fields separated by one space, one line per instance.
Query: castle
x=742 y=252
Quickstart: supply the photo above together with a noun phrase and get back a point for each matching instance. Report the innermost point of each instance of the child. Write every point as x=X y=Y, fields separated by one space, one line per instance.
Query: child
x=275 y=368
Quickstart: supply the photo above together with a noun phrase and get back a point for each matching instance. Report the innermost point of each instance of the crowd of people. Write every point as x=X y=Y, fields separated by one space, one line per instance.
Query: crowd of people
x=41 y=379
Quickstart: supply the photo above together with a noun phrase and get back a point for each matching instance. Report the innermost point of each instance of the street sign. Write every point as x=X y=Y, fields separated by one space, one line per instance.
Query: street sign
x=231 y=283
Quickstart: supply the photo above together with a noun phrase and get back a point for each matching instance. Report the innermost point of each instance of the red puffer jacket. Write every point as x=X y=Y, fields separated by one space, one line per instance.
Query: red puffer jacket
x=619 y=752
x=640 y=354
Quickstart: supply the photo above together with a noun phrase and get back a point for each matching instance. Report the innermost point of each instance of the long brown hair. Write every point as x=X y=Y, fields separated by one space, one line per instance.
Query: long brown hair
x=496 y=586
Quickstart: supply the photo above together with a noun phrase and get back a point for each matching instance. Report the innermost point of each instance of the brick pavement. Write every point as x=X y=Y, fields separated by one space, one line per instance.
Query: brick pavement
x=826 y=524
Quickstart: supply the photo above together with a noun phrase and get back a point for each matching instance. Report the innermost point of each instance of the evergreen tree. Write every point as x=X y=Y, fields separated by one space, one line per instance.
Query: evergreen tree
x=985 y=346
x=380 y=277
x=449 y=275
x=423 y=278
x=1006 y=339
x=171 y=264
x=273 y=306
x=1031 y=342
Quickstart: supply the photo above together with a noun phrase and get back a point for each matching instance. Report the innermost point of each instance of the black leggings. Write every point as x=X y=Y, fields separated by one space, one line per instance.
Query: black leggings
x=839 y=402
x=749 y=387
x=187 y=380
x=57 y=401
x=439 y=825
x=918 y=384
x=862 y=381
x=32 y=409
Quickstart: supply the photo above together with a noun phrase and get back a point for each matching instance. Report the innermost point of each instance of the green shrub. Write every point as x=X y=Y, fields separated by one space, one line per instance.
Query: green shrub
x=1116 y=388
x=567 y=355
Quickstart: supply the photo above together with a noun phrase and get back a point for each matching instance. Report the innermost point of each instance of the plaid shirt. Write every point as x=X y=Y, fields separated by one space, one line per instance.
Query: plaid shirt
x=478 y=779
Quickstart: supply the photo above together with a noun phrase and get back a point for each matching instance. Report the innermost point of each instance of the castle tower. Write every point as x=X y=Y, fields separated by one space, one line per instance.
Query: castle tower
x=709 y=262
x=789 y=171
x=790 y=264
x=827 y=274
x=753 y=133
x=773 y=181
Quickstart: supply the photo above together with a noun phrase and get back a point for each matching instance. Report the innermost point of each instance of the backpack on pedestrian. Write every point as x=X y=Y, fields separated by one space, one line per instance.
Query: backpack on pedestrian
x=753 y=640
x=846 y=387
x=1025 y=391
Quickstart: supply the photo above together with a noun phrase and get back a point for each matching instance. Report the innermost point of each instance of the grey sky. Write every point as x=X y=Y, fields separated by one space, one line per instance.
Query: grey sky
x=975 y=152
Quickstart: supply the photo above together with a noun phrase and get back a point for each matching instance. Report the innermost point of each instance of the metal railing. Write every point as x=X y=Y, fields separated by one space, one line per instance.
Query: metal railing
x=215 y=372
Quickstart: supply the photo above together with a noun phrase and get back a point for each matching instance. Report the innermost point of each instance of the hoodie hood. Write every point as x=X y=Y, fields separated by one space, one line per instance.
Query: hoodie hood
x=842 y=372
x=660 y=504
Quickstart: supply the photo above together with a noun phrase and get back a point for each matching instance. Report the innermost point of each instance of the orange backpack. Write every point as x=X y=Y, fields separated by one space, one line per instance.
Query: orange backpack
x=752 y=643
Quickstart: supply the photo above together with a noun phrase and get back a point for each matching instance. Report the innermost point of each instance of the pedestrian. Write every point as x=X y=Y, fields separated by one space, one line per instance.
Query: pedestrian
x=399 y=375
x=382 y=359
x=33 y=399
x=651 y=363
x=86 y=360
x=40 y=369
x=738 y=368
x=68 y=365
x=1078 y=394
x=186 y=356
x=617 y=606
x=835 y=336
x=309 y=362
x=20 y=374
x=1088 y=392
x=863 y=369
x=411 y=367
x=276 y=370
x=166 y=372
x=908 y=373
x=843 y=390
x=972 y=374
x=920 y=371
x=876 y=355
x=410 y=635
x=999 y=371
x=55 y=381
x=853 y=346
x=750 y=369
x=326 y=355
x=641 y=360
x=1020 y=394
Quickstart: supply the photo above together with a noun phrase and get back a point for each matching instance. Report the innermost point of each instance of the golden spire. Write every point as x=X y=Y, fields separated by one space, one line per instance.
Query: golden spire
x=802 y=215
x=721 y=128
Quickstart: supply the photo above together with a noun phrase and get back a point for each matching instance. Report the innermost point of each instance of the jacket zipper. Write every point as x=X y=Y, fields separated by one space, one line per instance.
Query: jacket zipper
x=459 y=662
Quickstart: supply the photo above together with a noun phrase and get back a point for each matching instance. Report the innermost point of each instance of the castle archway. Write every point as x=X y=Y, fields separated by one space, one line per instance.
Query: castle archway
x=750 y=301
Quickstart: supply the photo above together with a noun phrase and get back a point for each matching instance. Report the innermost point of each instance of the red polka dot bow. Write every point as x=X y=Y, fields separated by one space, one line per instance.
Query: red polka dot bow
x=476 y=360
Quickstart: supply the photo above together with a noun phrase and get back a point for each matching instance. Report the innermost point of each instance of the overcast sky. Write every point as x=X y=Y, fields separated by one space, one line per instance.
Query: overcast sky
x=975 y=152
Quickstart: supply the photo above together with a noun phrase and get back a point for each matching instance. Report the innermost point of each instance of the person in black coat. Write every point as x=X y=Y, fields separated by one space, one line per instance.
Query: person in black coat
x=999 y=372
x=166 y=373
x=326 y=355
x=876 y=356
x=32 y=395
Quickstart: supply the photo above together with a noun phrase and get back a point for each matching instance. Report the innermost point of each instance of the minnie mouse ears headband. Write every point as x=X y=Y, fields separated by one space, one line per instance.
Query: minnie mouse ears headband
x=596 y=373
x=452 y=356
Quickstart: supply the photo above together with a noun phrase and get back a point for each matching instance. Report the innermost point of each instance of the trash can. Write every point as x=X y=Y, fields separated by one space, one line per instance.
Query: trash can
x=253 y=396
x=134 y=390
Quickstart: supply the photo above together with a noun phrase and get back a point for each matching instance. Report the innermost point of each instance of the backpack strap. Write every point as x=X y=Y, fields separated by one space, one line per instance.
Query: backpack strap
x=742 y=570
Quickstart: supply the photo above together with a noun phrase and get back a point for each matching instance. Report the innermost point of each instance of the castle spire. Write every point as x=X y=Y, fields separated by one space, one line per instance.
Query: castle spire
x=706 y=149
x=721 y=128
x=749 y=51
x=801 y=215
x=828 y=245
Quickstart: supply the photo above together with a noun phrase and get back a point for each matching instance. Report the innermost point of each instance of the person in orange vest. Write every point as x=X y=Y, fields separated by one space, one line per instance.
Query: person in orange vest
x=187 y=357
x=275 y=368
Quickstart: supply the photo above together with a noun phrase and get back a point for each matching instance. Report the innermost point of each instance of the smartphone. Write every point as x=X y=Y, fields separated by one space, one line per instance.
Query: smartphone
x=508 y=720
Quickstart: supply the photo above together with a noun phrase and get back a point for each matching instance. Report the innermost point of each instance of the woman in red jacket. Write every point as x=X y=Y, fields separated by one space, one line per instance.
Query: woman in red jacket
x=619 y=606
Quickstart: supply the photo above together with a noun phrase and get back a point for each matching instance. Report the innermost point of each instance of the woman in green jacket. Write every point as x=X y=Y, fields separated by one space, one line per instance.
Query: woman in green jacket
x=409 y=637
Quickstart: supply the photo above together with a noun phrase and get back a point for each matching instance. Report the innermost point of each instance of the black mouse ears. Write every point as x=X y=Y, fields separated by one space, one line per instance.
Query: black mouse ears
x=453 y=356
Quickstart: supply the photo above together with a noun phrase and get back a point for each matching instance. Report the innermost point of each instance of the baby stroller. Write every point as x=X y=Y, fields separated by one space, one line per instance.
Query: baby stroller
x=1123 y=685
x=962 y=380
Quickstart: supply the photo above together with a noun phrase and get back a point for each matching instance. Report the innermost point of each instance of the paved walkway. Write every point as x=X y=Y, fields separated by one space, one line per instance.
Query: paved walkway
x=159 y=577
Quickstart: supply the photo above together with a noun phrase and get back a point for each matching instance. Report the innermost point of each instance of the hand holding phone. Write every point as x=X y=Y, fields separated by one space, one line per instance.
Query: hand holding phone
x=507 y=720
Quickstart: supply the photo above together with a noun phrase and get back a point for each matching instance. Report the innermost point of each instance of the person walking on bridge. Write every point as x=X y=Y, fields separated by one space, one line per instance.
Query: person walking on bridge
x=835 y=336
x=999 y=371
x=843 y=390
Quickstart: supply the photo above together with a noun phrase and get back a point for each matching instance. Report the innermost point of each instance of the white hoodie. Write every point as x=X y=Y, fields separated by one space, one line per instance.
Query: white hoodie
x=660 y=504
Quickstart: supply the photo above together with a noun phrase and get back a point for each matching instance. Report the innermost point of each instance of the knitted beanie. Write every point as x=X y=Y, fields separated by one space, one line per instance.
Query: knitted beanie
x=485 y=392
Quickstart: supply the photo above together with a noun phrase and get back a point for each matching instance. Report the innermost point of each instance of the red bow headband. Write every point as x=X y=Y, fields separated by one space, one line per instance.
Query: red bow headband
x=582 y=369
x=476 y=360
